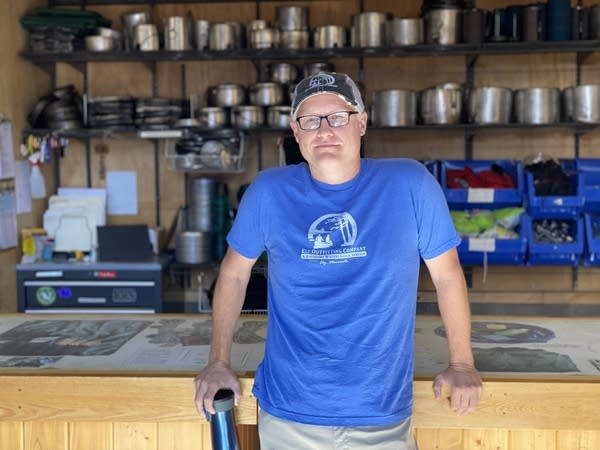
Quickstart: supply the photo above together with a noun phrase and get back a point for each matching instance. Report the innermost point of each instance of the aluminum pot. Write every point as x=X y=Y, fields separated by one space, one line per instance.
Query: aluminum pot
x=330 y=36
x=404 y=31
x=193 y=247
x=293 y=39
x=368 y=29
x=282 y=72
x=145 y=37
x=227 y=95
x=176 y=33
x=394 y=108
x=443 y=26
x=279 y=116
x=490 y=105
x=247 y=116
x=221 y=36
x=582 y=103
x=289 y=18
x=213 y=117
x=201 y=34
x=96 y=43
x=311 y=69
x=264 y=38
x=130 y=21
x=442 y=104
x=537 y=105
x=267 y=93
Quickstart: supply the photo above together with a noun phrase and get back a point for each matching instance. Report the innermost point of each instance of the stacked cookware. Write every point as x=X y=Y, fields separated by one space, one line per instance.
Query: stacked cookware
x=452 y=103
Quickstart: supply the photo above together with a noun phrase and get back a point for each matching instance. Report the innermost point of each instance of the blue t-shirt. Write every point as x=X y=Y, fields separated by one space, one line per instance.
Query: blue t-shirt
x=343 y=269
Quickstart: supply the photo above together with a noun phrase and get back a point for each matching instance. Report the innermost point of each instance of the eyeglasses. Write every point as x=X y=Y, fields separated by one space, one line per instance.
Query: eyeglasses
x=335 y=120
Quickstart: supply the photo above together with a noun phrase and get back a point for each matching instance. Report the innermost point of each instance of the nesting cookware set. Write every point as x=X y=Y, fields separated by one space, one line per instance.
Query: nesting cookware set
x=452 y=103
x=443 y=22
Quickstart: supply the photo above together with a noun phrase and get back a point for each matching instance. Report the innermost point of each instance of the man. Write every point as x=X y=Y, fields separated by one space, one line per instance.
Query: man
x=344 y=237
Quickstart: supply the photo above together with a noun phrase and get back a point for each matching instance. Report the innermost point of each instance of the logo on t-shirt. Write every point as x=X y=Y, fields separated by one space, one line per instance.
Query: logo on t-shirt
x=332 y=237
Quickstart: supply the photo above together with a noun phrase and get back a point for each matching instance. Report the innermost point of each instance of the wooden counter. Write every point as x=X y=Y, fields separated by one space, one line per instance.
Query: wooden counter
x=58 y=408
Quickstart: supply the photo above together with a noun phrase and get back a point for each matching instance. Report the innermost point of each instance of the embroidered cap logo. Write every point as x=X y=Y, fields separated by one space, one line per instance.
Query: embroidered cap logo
x=322 y=79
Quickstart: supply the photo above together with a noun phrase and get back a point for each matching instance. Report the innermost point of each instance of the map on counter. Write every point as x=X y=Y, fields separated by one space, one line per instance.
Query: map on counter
x=502 y=345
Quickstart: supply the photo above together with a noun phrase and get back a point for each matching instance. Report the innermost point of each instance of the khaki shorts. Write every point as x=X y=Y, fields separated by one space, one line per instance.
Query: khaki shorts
x=280 y=434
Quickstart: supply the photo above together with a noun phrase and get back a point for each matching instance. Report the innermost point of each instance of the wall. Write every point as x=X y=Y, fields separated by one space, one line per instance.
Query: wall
x=495 y=284
x=20 y=85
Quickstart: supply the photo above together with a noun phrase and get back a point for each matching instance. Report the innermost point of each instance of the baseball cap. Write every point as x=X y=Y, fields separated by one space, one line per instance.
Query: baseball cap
x=327 y=82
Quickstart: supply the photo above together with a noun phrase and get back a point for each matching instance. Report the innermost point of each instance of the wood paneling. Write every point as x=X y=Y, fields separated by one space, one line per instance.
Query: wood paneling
x=157 y=412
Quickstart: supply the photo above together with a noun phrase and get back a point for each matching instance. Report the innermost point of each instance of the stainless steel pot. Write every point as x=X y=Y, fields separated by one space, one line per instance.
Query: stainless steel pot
x=247 y=116
x=330 y=36
x=442 y=104
x=537 y=105
x=264 y=38
x=490 y=105
x=290 y=18
x=368 y=29
x=145 y=37
x=582 y=103
x=177 y=33
x=282 y=72
x=394 y=108
x=293 y=39
x=279 y=116
x=316 y=67
x=227 y=95
x=443 y=26
x=95 y=43
x=266 y=94
x=213 y=117
x=221 y=36
x=193 y=247
x=201 y=34
x=129 y=22
x=404 y=31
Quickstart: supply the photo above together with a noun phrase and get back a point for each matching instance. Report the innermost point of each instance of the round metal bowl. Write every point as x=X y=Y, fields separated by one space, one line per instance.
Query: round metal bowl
x=97 y=43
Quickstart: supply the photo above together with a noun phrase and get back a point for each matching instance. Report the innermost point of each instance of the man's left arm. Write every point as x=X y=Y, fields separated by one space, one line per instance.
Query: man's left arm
x=461 y=376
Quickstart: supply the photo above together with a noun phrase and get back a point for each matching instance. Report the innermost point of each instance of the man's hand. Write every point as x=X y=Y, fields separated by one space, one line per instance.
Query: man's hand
x=465 y=386
x=215 y=376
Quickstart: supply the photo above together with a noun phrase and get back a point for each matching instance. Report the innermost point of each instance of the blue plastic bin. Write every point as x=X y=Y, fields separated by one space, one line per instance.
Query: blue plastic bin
x=563 y=206
x=488 y=198
x=567 y=254
x=592 y=243
x=477 y=251
x=589 y=169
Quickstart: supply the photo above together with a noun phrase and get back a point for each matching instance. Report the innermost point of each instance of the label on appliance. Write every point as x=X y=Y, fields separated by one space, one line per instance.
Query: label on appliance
x=482 y=245
x=45 y=295
x=480 y=195
x=49 y=274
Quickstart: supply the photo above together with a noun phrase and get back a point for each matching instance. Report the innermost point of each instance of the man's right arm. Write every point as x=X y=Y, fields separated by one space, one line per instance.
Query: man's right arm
x=228 y=299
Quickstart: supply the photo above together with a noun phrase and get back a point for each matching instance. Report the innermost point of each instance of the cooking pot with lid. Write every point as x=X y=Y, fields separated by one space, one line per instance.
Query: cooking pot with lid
x=311 y=69
x=442 y=104
x=490 y=105
x=266 y=94
x=227 y=95
x=282 y=72
x=213 y=117
x=279 y=116
x=247 y=116
x=537 y=105
x=394 y=108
